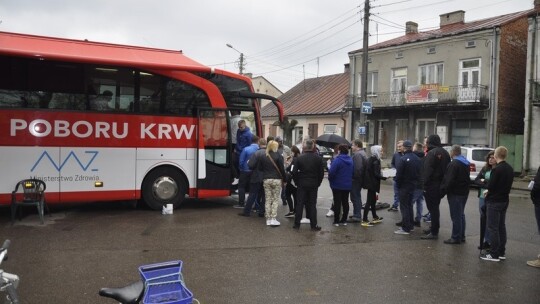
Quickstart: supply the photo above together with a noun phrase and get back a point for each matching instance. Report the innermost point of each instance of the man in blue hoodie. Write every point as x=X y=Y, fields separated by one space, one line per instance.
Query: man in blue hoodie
x=456 y=185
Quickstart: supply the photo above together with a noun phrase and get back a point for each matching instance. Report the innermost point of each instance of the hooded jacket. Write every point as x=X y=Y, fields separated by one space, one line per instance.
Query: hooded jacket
x=243 y=139
x=456 y=179
x=373 y=170
x=341 y=172
x=435 y=162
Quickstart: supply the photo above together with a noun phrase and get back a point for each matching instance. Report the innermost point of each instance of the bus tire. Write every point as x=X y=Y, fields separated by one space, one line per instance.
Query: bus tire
x=165 y=185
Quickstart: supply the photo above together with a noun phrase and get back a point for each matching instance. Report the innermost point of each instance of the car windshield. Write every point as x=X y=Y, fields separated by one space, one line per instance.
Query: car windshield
x=480 y=154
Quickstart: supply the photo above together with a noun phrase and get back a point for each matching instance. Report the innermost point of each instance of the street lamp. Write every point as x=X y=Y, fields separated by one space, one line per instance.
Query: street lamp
x=241 y=65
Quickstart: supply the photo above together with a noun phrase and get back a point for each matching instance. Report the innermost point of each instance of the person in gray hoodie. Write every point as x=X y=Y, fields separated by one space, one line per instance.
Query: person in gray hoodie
x=456 y=186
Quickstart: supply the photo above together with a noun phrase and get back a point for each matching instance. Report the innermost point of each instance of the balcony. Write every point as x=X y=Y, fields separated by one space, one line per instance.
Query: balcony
x=534 y=94
x=426 y=96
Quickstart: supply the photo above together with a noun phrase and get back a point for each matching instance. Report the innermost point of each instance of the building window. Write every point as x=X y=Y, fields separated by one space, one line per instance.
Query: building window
x=431 y=73
x=431 y=50
x=330 y=129
x=469 y=79
x=424 y=127
x=372 y=83
x=398 y=84
x=470 y=44
x=399 y=55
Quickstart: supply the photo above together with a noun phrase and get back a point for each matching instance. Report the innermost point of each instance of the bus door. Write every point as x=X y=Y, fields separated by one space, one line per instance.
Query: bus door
x=214 y=161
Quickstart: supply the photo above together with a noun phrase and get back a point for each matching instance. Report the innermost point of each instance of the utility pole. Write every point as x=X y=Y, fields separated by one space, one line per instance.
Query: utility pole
x=364 y=79
x=241 y=66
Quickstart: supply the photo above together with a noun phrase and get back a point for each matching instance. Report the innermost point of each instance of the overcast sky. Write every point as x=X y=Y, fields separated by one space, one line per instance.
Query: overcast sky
x=282 y=40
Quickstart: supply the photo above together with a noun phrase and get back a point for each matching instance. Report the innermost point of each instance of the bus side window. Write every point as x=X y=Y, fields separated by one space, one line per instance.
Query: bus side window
x=11 y=99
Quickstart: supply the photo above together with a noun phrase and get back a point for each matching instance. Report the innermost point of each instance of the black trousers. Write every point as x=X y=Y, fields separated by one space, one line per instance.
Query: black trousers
x=496 y=225
x=306 y=196
x=341 y=199
x=371 y=204
x=432 y=194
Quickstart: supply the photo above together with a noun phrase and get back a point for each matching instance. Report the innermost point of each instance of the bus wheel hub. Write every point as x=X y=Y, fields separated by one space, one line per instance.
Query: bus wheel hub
x=165 y=188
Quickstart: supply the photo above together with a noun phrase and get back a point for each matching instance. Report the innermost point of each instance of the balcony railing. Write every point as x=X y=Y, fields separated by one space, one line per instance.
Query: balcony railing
x=425 y=96
x=534 y=94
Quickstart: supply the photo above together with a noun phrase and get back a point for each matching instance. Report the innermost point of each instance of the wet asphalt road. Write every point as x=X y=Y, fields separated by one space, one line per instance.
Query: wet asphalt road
x=232 y=259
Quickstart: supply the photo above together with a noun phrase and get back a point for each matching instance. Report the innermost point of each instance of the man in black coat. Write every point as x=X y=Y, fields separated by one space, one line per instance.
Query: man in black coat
x=308 y=173
x=435 y=163
x=497 y=200
x=535 y=197
x=456 y=186
x=407 y=177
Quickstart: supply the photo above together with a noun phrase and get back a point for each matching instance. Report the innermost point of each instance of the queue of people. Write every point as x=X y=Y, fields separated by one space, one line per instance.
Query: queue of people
x=427 y=172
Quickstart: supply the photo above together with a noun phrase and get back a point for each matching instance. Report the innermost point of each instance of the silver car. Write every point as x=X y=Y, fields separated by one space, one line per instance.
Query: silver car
x=476 y=156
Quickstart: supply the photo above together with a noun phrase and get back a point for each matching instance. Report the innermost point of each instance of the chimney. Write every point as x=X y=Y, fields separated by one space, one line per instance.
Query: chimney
x=348 y=66
x=412 y=27
x=453 y=17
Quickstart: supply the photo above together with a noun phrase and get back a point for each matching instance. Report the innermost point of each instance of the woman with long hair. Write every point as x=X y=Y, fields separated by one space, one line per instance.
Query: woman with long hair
x=290 y=188
x=481 y=181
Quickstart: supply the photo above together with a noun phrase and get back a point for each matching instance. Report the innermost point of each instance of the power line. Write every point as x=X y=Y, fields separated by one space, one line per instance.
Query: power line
x=297 y=37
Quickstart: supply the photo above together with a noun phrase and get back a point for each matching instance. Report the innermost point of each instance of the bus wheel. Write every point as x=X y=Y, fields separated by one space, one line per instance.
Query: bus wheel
x=163 y=186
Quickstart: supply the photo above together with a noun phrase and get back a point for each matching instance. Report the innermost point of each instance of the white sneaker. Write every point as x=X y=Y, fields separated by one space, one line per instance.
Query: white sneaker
x=274 y=222
x=305 y=221
x=330 y=213
x=235 y=182
x=268 y=222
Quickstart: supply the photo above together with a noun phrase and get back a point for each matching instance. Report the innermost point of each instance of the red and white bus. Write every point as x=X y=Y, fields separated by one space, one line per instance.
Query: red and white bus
x=105 y=122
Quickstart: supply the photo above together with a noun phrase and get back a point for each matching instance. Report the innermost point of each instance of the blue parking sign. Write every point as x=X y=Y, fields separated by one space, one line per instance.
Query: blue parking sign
x=366 y=107
x=362 y=130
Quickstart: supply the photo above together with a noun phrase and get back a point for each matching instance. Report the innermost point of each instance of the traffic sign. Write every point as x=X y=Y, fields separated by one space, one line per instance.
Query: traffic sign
x=366 y=107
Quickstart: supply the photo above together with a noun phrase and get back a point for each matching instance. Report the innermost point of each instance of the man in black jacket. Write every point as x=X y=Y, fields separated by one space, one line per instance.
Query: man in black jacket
x=308 y=173
x=497 y=200
x=407 y=177
x=456 y=185
x=435 y=163
x=535 y=197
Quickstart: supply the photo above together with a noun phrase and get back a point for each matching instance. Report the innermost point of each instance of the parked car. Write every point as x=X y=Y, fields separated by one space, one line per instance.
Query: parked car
x=476 y=155
x=326 y=153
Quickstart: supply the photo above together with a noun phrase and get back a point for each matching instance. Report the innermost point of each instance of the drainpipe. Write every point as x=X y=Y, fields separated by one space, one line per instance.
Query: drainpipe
x=492 y=86
x=344 y=123
x=528 y=109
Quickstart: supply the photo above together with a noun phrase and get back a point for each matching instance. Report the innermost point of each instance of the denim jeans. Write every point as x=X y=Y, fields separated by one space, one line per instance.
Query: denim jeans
x=243 y=185
x=457 y=214
x=406 y=207
x=255 y=194
x=418 y=199
x=396 y=196
x=356 y=198
x=482 y=207
x=496 y=223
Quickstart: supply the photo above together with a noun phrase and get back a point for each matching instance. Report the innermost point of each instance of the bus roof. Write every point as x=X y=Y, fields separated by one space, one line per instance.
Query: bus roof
x=50 y=48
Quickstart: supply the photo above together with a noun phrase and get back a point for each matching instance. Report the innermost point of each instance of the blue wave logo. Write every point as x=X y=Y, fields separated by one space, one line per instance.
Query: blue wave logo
x=59 y=166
